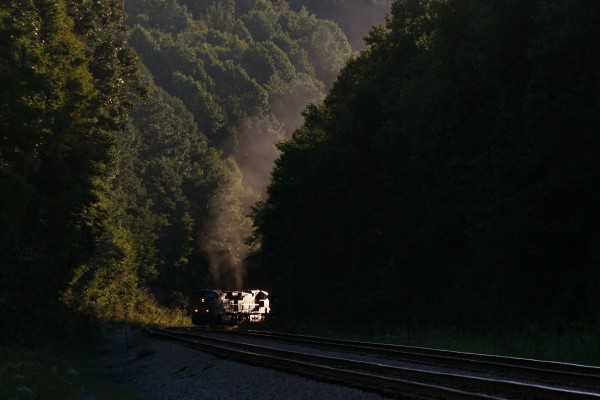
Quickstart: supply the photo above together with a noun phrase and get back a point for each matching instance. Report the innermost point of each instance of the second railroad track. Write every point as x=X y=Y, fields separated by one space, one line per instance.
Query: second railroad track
x=574 y=382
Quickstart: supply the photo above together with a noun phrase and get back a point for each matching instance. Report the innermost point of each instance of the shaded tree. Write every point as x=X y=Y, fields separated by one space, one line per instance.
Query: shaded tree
x=448 y=170
x=68 y=81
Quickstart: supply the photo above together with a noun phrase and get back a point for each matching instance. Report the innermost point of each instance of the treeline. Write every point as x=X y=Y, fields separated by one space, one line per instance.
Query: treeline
x=67 y=81
x=451 y=175
x=136 y=136
x=242 y=72
x=448 y=177
x=355 y=17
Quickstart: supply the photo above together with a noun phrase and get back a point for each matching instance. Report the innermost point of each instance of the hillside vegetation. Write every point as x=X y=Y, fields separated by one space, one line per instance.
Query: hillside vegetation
x=135 y=136
x=446 y=178
x=449 y=178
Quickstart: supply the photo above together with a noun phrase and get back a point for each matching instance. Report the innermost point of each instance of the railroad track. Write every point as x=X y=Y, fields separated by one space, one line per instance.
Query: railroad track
x=408 y=383
x=578 y=376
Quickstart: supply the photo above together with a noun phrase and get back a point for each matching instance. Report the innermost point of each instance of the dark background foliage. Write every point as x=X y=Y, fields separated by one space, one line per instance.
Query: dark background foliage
x=136 y=136
x=447 y=176
x=451 y=172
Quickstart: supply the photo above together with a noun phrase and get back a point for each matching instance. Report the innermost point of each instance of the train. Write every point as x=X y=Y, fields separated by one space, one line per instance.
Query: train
x=218 y=307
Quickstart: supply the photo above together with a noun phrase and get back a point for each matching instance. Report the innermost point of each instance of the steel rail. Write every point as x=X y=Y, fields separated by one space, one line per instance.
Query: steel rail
x=549 y=370
x=453 y=381
x=363 y=381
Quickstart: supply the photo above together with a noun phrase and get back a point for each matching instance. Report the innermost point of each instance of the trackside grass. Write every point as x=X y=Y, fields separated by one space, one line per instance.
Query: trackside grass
x=47 y=358
x=572 y=343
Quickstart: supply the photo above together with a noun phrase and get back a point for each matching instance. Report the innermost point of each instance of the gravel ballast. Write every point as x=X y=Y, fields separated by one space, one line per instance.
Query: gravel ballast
x=155 y=369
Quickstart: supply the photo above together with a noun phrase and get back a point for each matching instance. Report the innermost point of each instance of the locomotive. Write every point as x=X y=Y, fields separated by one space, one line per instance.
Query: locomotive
x=216 y=307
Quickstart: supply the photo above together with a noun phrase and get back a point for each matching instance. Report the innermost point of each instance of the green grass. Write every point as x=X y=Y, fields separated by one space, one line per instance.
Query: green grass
x=51 y=372
x=92 y=382
x=45 y=358
x=574 y=343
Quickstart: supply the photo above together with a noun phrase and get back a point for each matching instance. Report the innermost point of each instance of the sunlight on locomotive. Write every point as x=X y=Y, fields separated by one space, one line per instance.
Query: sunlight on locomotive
x=230 y=307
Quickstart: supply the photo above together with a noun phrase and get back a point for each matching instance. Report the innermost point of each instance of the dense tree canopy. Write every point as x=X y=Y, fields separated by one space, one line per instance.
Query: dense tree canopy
x=451 y=171
x=229 y=61
x=239 y=73
x=110 y=200
x=67 y=81
x=355 y=17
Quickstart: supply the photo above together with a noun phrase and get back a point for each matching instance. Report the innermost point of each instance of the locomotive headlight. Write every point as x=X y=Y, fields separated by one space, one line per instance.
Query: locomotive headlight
x=207 y=311
x=195 y=310
x=203 y=300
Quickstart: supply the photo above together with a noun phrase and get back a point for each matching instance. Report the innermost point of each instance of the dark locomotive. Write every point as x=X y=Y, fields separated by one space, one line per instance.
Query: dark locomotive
x=216 y=307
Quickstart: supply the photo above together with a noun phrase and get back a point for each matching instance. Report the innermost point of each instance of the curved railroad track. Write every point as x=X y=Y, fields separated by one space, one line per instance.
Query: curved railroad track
x=578 y=376
x=379 y=376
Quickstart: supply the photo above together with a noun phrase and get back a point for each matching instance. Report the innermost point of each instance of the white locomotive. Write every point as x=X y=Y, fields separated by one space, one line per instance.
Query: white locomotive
x=215 y=307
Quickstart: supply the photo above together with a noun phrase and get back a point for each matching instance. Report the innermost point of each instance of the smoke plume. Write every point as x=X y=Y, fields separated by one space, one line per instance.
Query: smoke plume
x=224 y=232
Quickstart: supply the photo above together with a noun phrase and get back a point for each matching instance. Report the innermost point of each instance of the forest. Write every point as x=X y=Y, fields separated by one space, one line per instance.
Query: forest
x=440 y=170
x=449 y=172
x=137 y=137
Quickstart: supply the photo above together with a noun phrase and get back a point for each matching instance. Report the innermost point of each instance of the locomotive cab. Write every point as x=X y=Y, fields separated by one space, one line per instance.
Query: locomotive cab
x=215 y=307
x=208 y=308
